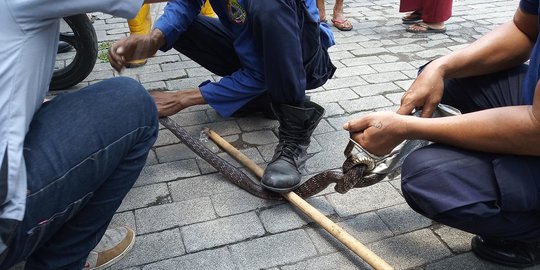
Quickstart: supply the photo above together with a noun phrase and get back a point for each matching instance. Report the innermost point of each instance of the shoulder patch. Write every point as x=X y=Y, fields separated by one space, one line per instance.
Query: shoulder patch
x=236 y=12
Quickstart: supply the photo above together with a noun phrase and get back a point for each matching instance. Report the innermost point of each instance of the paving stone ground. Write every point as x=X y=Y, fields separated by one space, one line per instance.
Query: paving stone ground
x=187 y=216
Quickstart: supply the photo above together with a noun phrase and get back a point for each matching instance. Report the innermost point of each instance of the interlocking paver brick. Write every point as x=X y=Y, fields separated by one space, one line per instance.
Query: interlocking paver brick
x=333 y=95
x=171 y=215
x=458 y=241
x=401 y=219
x=411 y=249
x=204 y=260
x=373 y=197
x=200 y=186
x=367 y=228
x=222 y=231
x=337 y=260
x=238 y=201
x=285 y=217
x=152 y=247
x=465 y=261
x=273 y=250
x=376 y=89
x=384 y=77
x=144 y=196
x=363 y=104
x=168 y=171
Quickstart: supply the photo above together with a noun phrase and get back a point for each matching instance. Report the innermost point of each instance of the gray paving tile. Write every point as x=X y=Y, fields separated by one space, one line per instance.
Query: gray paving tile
x=200 y=186
x=365 y=228
x=273 y=250
x=145 y=196
x=337 y=260
x=222 y=231
x=211 y=259
x=238 y=201
x=174 y=152
x=152 y=247
x=401 y=219
x=365 y=199
x=171 y=215
x=167 y=172
x=286 y=217
x=458 y=241
x=464 y=261
x=363 y=104
x=410 y=250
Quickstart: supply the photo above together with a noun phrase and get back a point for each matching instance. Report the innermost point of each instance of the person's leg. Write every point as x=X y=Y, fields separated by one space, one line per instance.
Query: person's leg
x=83 y=153
x=286 y=37
x=277 y=35
x=322 y=10
x=493 y=196
x=434 y=14
x=338 y=17
x=413 y=9
x=494 y=90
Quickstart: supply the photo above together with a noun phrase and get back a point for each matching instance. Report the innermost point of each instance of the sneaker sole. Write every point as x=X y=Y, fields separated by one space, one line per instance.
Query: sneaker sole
x=120 y=256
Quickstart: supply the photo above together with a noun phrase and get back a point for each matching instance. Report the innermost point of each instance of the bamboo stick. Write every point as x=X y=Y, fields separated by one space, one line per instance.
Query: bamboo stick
x=345 y=238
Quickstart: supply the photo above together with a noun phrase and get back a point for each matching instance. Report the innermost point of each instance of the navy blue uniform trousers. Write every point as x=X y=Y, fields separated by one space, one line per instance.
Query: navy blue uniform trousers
x=288 y=40
x=492 y=195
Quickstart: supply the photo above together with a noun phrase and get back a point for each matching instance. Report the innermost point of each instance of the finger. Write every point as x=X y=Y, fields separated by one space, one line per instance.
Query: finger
x=114 y=63
x=113 y=52
x=428 y=109
x=406 y=107
x=357 y=125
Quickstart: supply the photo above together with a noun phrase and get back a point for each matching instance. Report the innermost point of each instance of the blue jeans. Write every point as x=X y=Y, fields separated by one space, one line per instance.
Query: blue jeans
x=83 y=153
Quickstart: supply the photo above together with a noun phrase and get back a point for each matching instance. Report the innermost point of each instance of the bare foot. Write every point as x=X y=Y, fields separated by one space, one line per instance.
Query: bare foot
x=167 y=102
x=424 y=27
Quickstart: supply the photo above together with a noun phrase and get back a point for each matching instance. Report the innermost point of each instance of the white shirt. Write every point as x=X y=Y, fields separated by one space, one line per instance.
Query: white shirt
x=29 y=31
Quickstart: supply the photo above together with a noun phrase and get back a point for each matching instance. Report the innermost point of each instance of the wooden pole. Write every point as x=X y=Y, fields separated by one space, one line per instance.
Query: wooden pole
x=345 y=238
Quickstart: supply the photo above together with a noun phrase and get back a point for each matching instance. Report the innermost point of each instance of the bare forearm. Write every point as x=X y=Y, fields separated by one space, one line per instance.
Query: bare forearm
x=509 y=130
x=499 y=50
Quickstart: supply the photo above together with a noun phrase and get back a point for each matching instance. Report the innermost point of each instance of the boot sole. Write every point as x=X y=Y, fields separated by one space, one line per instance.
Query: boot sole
x=280 y=190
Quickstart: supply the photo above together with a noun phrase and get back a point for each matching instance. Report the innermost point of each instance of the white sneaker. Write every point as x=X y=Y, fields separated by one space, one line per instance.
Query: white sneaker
x=114 y=245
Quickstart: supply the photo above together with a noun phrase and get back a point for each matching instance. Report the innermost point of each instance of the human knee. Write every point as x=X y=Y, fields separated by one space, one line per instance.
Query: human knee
x=417 y=191
x=132 y=98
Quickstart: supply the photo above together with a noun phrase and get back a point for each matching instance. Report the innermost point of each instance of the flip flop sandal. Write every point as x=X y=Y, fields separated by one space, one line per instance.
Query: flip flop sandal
x=426 y=29
x=323 y=20
x=411 y=18
x=342 y=25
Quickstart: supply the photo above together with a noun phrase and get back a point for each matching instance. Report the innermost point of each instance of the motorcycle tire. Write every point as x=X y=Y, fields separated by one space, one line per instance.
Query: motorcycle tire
x=84 y=40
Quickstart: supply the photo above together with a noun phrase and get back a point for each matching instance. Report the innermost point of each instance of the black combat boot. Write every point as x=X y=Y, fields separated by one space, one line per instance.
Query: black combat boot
x=296 y=124
x=507 y=252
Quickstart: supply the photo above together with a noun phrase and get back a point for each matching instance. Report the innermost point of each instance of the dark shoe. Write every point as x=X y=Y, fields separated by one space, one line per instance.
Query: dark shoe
x=296 y=124
x=64 y=47
x=412 y=17
x=507 y=252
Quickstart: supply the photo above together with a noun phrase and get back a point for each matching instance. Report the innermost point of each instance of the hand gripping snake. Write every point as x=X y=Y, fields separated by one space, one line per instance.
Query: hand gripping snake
x=360 y=168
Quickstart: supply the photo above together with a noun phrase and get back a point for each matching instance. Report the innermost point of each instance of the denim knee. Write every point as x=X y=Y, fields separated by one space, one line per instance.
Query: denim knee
x=133 y=98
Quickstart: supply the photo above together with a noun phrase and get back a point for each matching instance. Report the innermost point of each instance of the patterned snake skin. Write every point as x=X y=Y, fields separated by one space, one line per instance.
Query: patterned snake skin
x=351 y=175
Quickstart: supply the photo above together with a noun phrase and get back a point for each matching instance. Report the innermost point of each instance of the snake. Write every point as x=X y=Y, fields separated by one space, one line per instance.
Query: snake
x=351 y=175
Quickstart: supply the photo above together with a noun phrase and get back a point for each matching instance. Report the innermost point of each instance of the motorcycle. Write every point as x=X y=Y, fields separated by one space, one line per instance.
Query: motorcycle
x=73 y=67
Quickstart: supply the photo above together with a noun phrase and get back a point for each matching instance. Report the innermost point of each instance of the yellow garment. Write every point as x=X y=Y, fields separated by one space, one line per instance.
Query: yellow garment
x=140 y=25
x=207 y=10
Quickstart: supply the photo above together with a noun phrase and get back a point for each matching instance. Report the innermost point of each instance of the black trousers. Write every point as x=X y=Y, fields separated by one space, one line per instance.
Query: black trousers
x=492 y=195
x=286 y=38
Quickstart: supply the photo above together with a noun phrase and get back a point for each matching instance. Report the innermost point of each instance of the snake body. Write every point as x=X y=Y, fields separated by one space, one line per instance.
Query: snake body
x=350 y=176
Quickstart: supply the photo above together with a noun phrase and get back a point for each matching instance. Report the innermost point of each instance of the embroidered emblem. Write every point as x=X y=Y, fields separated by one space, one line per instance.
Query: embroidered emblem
x=237 y=14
